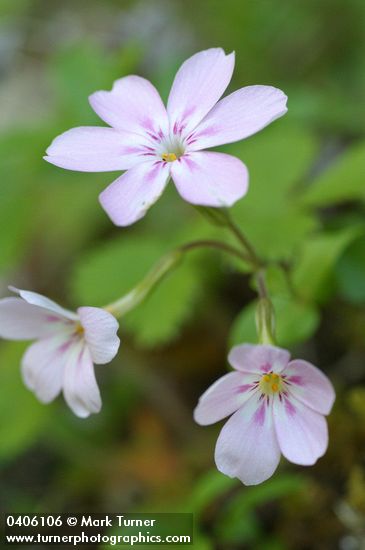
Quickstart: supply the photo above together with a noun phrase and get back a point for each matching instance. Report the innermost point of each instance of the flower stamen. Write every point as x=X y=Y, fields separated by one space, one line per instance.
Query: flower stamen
x=169 y=157
x=79 y=329
x=271 y=383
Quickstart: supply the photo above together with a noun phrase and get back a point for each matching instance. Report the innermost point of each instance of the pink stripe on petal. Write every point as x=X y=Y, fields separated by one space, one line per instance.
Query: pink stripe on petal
x=95 y=149
x=223 y=398
x=198 y=85
x=52 y=319
x=295 y=380
x=80 y=388
x=43 y=365
x=244 y=388
x=240 y=115
x=289 y=407
x=310 y=386
x=133 y=105
x=302 y=433
x=257 y=358
x=20 y=320
x=129 y=197
x=259 y=416
x=247 y=447
x=210 y=179
x=266 y=367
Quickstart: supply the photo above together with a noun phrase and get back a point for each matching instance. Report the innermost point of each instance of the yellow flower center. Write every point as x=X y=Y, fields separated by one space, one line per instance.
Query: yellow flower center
x=79 y=329
x=169 y=157
x=271 y=383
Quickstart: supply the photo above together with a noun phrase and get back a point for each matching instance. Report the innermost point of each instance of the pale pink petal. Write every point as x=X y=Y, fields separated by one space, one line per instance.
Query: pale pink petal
x=133 y=105
x=238 y=116
x=198 y=84
x=260 y=359
x=22 y=321
x=302 y=433
x=247 y=447
x=210 y=179
x=43 y=365
x=310 y=385
x=224 y=397
x=100 y=328
x=96 y=149
x=80 y=388
x=129 y=197
x=42 y=301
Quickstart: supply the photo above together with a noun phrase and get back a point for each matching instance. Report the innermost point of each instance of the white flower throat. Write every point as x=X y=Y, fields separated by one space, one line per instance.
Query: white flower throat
x=171 y=148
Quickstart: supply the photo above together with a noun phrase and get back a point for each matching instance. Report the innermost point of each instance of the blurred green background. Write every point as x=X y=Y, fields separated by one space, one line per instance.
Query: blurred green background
x=305 y=209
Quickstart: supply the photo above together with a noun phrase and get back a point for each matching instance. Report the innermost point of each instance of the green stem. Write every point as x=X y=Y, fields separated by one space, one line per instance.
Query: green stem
x=221 y=217
x=218 y=245
x=241 y=237
x=133 y=298
x=129 y=301
x=265 y=316
x=261 y=285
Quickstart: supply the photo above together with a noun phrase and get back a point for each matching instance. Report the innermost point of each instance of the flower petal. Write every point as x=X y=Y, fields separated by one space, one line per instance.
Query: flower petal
x=260 y=359
x=310 y=386
x=100 y=333
x=302 y=433
x=129 y=197
x=133 y=105
x=94 y=149
x=198 y=84
x=22 y=321
x=224 y=397
x=42 y=301
x=210 y=179
x=43 y=364
x=79 y=384
x=247 y=447
x=238 y=116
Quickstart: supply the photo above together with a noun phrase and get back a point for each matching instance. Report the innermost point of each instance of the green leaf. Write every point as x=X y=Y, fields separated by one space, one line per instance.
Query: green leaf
x=69 y=208
x=278 y=157
x=342 y=181
x=211 y=486
x=238 y=522
x=202 y=542
x=19 y=169
x=270 y=215
x=161 y=317
x=114 y=269
x=350 y=272
x=35 y=195
x=83 y=68
x=316 y=260
x=23 y=416
x=10 y=8
x=295 y=322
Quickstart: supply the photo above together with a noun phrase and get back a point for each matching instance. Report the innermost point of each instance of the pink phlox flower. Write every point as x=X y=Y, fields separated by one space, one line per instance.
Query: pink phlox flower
x=278 y=407
x=153 y=143
x=66 y=348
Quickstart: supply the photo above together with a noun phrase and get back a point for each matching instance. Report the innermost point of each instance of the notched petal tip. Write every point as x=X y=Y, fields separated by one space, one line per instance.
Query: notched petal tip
x=232 y=54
